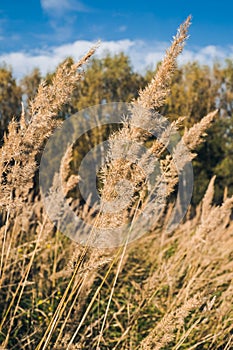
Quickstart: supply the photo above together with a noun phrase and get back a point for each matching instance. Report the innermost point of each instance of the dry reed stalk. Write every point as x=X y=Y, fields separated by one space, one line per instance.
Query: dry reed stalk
x=154 y=95
x=23 y=143
x=134 y=131
x=163 y=333
x=151 y=97
x=193 y=137
x=197 y=263
x=69 y=182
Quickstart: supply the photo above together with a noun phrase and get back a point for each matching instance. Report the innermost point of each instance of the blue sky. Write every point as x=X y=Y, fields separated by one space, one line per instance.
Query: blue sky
x=42 y=32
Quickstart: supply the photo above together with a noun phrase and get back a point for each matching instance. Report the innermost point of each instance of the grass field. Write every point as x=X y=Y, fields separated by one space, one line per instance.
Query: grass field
x=165 y=290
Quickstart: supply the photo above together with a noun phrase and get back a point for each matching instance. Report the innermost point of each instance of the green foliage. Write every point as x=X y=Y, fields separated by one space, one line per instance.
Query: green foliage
x=29 y=85
x=110 y=79
x=196 y=90
x=10 y=98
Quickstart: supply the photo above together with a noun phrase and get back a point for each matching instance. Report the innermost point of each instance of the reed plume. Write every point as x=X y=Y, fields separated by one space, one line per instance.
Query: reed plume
x=23 y=143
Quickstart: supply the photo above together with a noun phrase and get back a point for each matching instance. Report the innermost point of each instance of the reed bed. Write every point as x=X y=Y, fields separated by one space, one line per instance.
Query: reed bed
x=165 y=290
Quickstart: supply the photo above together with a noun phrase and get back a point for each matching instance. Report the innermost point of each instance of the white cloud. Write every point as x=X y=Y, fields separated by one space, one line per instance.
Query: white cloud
x=55 y=7
x=23 y=63
x=141 y=53
x=206 y=55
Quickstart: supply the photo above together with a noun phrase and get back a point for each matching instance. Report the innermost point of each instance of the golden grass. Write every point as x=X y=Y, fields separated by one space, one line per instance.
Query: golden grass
x=163 y=291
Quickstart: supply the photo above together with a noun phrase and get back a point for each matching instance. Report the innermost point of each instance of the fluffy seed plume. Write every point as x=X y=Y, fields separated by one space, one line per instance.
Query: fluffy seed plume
x=154 y=95
x=23 y=143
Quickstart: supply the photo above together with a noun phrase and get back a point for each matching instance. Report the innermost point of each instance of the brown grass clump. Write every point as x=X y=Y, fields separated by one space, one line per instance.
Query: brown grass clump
x=166 y=290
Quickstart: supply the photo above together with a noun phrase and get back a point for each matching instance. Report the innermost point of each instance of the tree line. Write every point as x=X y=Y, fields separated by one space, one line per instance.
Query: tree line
x=195 y=91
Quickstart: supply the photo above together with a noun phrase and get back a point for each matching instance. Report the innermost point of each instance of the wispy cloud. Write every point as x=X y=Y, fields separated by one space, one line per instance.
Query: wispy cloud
x=62 y=15
x=58 y=7
x=142 y=54
x=122 y=29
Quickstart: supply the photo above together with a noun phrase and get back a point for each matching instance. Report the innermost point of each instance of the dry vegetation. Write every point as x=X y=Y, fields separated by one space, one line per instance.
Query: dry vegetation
x=163 y=291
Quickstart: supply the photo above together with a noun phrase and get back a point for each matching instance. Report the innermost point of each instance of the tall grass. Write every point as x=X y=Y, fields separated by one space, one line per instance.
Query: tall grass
x=163 y=291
